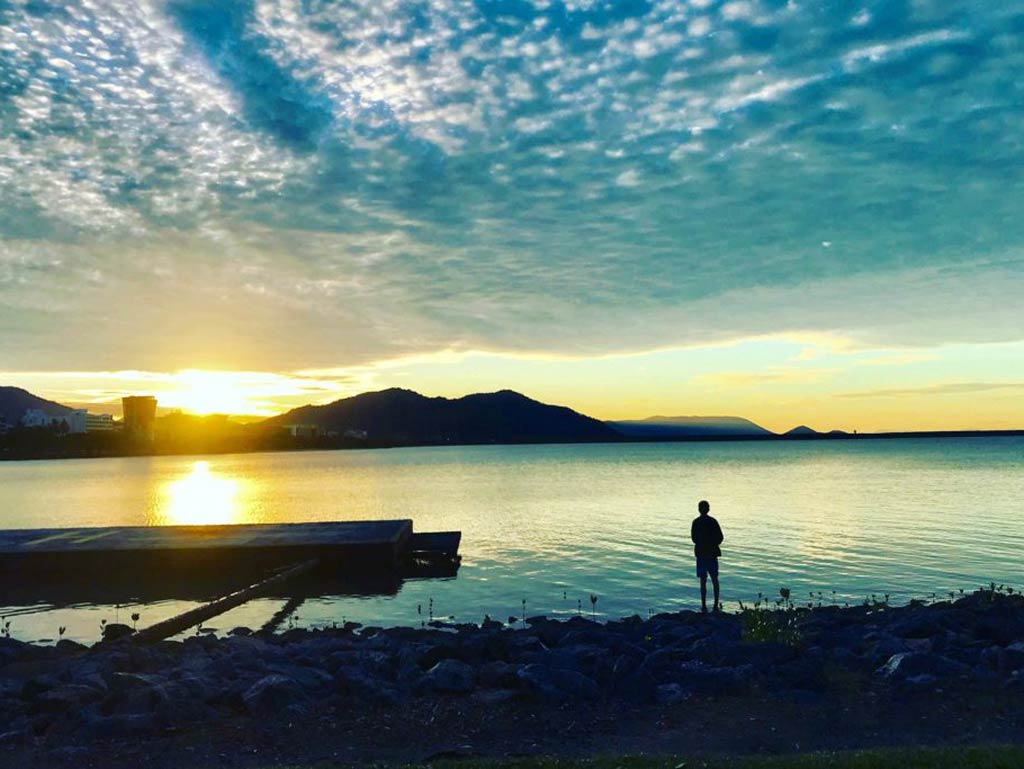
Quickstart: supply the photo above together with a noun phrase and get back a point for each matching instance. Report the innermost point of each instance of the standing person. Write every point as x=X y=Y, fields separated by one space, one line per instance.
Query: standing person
x=707 y=536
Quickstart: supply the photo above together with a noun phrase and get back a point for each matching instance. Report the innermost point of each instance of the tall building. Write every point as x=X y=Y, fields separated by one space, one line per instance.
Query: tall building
x=139 y=414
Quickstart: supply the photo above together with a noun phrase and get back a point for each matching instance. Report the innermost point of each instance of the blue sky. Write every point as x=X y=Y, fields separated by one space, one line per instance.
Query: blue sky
x=353 y=189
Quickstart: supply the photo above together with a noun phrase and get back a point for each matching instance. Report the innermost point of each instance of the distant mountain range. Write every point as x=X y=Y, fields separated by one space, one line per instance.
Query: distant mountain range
x=400 y=417
x=403 y=417
x=14 y=402
x=689 y=427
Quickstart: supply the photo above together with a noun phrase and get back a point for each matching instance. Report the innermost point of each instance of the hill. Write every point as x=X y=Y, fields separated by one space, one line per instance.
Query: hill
x=406 y=418
x=14 y=402
x=801 y=430
x=689 y=427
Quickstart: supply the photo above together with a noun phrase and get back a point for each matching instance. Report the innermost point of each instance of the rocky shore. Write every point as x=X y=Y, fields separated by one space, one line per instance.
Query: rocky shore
x=440 y=686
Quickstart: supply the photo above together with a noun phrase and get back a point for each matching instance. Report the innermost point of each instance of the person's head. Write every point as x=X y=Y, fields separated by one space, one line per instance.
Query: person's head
x=703 y=507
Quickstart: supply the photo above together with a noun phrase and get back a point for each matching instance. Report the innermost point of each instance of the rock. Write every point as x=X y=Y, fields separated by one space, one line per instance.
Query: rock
x=450 y=676
x=119 y=726
x=495 y=696
x=64 y=698
x=352 y=680
x=35 y=686
x=707 y=679
x=498 y=675
x=67 y=646
x=308 y=678
x=557 y=685
x=113 y=631
x=670 y=694
x=435 y=654
x=15 y=737
x=912 y=664
x=272 y=694
x=241 y=630
x=12 y=649
x=1011 y=658
x=491 y=624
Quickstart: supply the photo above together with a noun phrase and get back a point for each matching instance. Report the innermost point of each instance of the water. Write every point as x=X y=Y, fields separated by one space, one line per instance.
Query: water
x=556 y=524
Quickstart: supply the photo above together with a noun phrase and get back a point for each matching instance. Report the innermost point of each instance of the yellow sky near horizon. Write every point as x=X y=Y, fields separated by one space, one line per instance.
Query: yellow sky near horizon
x=777 y=382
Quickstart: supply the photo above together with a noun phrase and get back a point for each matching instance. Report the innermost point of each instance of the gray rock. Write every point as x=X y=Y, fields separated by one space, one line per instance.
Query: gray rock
x=670 y=694
x=352 y=680
x=911 y=664
x=113 y=631
x=498 y=675
x=272 y=694
x=119 y=726
x=557 y=685
x=495 y=696
x=308 y=678
x=450 y=676
x=1011 y=658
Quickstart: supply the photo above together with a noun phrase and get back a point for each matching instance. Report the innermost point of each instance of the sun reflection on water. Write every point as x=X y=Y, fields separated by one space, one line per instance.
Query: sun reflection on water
x=202 y=497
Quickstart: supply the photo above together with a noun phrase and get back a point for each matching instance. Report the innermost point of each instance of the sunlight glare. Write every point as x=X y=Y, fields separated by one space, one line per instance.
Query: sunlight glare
x=202 y=498
x=208 y=392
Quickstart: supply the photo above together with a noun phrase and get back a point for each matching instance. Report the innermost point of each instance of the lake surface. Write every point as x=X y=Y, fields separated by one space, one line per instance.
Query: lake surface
x=556 y=524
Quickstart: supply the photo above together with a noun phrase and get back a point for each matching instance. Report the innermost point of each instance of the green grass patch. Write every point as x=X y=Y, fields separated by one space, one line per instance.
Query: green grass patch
x=976 y=757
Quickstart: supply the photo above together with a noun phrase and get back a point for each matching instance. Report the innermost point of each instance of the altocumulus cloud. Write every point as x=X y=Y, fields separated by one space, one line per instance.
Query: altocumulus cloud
x=311 y=183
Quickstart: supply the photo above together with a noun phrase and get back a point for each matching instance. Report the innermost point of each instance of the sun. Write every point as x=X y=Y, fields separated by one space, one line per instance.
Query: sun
x=208 y=392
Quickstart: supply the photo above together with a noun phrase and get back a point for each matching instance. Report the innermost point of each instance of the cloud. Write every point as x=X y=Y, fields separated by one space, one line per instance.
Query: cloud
x=949 y=388
x=753 y=379
x=279 y=184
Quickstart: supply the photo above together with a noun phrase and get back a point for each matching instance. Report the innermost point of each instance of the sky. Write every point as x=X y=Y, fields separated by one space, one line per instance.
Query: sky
x=796 y=212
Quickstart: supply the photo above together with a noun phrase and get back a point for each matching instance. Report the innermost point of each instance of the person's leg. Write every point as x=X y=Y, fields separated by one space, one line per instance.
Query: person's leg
x=704 y=593
x=713 y=573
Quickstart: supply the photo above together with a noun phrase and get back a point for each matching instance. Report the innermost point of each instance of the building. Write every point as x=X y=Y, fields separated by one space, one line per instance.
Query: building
x=72 y=421
x=99 y=423
x=303 y=431
x=139 y=414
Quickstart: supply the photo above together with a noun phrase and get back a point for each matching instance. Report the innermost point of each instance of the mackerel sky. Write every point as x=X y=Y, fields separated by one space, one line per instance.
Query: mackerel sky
x=628 y=207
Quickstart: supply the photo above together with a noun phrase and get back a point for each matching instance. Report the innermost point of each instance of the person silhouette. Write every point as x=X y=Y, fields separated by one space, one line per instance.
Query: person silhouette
x=707 y=536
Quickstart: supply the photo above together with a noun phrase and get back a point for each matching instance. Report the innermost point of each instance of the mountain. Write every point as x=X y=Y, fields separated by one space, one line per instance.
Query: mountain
x=689 y=427
x=403 y=417
x=801 y=430
x=14 y=402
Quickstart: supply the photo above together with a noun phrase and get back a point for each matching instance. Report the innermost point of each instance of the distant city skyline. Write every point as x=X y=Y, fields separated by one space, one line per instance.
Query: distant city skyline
x=793 y=213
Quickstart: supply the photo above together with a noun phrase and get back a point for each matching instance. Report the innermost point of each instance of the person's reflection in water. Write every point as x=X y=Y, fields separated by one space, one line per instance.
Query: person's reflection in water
x=707 y=536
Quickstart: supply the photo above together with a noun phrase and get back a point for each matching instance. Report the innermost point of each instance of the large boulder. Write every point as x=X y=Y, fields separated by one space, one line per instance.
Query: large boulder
x=555 y=684
x=272 y=694
x=114 y=631
x=450 y=676
x=906 y=665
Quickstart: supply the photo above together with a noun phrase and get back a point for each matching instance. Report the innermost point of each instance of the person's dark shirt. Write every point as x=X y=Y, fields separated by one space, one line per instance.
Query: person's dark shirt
x=707 y=536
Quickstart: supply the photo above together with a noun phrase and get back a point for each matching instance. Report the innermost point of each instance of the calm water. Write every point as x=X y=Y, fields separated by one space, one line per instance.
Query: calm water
x=555 y=524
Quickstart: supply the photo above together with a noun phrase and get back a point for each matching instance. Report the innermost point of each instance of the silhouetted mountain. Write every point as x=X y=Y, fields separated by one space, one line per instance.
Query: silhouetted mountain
x=801 y=430
x=403 y=417
x=688 y=427
x=14 y=402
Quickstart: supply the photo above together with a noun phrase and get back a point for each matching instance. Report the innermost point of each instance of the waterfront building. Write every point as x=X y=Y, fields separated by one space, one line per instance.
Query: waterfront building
x=139 y=414
x=74 y=419
x=98 y=423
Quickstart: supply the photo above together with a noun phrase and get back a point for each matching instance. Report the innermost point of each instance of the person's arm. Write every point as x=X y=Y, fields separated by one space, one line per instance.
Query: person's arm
x=693 y=531
x=718 y=534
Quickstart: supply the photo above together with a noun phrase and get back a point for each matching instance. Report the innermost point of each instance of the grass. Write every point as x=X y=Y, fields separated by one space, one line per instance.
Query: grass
x=986 y=757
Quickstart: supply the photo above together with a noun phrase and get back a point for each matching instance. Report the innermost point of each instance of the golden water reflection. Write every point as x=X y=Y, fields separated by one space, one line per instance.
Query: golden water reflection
x=203 y=497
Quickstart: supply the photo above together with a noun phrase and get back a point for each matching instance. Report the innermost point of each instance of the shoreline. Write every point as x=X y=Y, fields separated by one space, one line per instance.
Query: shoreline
x=768 y=679
x=7 y=456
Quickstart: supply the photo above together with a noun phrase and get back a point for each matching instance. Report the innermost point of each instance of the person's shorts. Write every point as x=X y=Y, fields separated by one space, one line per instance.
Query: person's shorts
x=706 y=566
